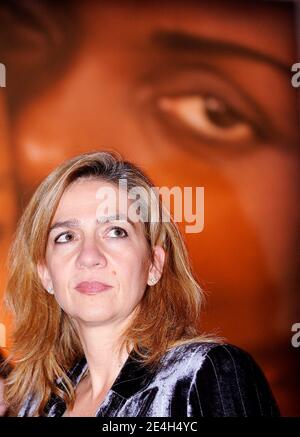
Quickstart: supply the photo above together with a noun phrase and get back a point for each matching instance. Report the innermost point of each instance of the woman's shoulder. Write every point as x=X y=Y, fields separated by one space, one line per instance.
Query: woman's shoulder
x=188 y=358
x=225 y=379
x=224 y=361
x=197 y=351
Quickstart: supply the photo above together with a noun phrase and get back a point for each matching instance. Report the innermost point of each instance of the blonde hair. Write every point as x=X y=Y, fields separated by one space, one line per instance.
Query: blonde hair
x=45 y=342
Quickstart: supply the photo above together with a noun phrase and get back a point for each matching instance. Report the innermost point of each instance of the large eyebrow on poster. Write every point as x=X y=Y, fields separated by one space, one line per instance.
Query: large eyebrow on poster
x=187 y=42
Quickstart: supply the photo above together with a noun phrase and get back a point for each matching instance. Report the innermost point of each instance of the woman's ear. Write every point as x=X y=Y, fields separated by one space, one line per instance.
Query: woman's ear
x=157 y=265
x=45 y=277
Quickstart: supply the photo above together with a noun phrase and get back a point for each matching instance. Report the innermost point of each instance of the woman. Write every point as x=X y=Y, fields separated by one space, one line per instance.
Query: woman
x=107 y=308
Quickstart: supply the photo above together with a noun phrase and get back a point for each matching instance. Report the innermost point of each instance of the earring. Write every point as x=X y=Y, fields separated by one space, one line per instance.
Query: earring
x=152 y=280
x=50 y=290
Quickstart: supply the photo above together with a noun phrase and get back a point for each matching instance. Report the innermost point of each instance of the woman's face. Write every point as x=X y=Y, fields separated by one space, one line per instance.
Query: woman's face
x=83 y=248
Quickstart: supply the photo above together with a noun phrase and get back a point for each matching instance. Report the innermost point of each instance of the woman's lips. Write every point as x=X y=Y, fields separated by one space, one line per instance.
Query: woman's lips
x=93 y=287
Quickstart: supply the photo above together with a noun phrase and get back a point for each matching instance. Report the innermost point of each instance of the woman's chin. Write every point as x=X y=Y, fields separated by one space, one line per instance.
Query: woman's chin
x=93 y=318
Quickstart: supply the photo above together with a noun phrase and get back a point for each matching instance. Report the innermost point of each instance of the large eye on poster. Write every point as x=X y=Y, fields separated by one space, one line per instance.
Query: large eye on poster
x=203 y=97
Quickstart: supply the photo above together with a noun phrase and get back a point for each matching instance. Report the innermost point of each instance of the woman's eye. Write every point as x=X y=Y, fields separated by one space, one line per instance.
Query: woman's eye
x=64 y=237
x=117 y=232
x=210 y=117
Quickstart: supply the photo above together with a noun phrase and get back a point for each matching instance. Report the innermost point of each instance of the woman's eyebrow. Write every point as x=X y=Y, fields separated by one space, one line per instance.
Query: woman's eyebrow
x=71 y=223
x=74 y=223
x=183 y=42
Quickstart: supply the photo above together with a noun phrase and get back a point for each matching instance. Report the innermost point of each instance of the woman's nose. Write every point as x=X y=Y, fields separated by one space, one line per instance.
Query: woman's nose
x=91 y=256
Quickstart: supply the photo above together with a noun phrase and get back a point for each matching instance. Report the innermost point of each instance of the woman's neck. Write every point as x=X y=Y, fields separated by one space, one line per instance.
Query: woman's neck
x=104 y=353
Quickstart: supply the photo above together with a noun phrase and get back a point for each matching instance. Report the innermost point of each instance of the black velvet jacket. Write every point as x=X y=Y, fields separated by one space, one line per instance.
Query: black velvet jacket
x=193 y=380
